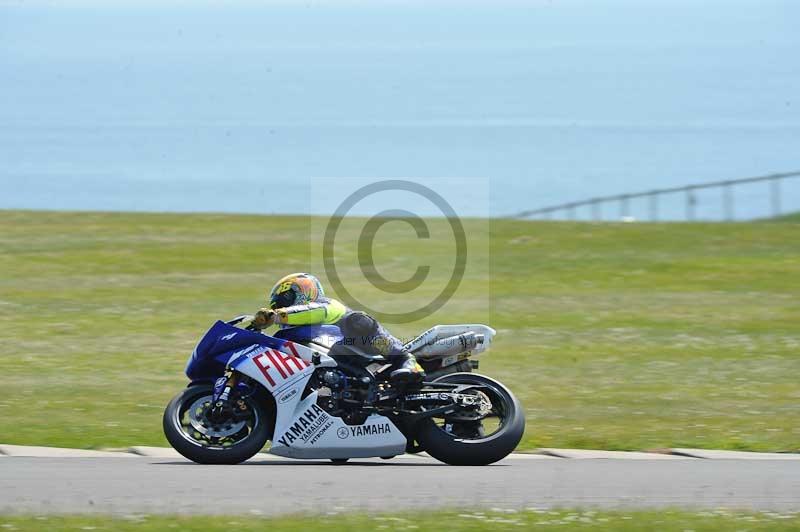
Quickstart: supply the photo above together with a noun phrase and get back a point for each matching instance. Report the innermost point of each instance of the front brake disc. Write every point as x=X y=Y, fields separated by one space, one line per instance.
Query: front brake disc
x=200 y=422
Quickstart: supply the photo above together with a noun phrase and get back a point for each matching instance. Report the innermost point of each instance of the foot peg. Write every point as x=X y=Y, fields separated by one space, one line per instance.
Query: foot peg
x=408 y=370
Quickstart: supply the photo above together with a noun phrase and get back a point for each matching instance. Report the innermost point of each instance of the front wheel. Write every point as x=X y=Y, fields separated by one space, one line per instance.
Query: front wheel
x=475 y=437
x=203 y=437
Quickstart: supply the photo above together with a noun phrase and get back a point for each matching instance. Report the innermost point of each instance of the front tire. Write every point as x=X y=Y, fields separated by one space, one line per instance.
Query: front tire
x=226 y=442
x=465 y=443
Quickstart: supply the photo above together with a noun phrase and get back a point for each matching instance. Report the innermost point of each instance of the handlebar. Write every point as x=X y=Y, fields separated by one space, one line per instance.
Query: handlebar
x=238 y=319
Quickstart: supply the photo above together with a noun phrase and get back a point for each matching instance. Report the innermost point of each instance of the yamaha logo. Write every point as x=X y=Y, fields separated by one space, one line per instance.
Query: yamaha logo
x=288 y=396
x=343 y=433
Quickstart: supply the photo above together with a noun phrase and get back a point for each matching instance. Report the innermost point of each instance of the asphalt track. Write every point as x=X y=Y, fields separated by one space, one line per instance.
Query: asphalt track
x=134 y=485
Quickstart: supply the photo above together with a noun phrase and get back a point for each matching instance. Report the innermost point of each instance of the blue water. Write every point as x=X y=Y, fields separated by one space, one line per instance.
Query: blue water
x=254 y=108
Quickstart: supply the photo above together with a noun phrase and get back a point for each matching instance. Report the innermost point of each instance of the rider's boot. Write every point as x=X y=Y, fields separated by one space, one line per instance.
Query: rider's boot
x=406 y=369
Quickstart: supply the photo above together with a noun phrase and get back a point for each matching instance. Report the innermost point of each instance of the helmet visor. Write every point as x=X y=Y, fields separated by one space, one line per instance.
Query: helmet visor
x=283 y=299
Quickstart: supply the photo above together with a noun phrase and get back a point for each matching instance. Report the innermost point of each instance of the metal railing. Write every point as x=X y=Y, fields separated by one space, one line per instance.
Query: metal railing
x=654 y=196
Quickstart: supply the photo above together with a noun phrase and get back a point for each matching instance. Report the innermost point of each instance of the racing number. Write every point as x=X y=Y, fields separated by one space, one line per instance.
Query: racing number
x=284 y=287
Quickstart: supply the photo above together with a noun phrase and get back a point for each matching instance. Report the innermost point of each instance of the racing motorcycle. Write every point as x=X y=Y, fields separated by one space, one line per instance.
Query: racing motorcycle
x=247 y=388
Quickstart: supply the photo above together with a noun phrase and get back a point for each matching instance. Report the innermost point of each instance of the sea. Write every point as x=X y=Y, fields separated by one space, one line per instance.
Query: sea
x=497 y=106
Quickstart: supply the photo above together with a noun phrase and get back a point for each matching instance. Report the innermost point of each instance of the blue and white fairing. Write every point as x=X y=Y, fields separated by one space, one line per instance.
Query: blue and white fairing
x=212 y=353
x=302 y=428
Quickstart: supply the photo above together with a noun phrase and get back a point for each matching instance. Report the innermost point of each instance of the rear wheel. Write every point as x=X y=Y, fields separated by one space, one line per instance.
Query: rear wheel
x=478 y=436
x=206 y=437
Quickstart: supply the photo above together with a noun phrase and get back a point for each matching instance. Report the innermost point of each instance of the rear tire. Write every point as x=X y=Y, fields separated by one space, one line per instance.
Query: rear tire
x=455 y=450
x=181 y=439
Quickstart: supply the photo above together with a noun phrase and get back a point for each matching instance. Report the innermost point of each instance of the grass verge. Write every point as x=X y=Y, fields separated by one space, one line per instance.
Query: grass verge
x=664 y=520
x=616 y=336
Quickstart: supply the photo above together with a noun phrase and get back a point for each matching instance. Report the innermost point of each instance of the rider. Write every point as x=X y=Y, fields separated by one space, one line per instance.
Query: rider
x=298 y=299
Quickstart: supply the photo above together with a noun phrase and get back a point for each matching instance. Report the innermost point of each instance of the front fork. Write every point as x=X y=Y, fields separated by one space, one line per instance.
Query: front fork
x=222 y=393
x=223 y=387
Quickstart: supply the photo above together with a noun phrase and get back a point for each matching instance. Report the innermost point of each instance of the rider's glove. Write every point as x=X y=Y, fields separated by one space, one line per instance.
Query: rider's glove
x=264 y=318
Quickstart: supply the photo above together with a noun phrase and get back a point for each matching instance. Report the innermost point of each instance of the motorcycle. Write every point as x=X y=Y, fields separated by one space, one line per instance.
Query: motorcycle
x=247 y=388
